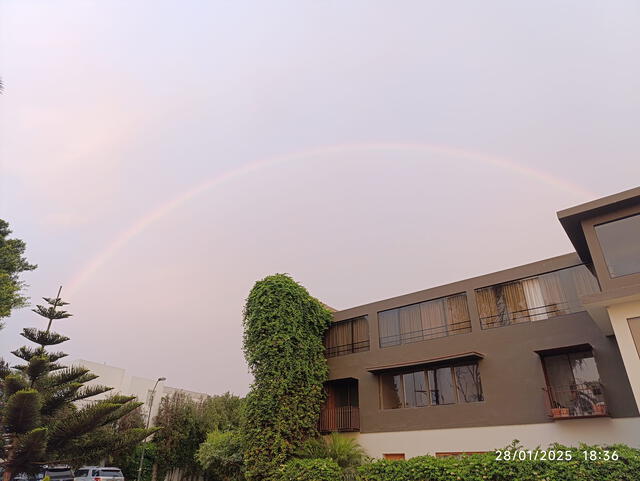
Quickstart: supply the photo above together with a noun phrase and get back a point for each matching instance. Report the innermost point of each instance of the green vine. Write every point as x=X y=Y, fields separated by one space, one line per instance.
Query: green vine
x=283 y=329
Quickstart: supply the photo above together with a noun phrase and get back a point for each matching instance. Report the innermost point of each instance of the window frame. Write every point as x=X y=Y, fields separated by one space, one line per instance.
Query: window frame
x=426 y=369
x=597 y=253
x=400 y=342
x=530 y=319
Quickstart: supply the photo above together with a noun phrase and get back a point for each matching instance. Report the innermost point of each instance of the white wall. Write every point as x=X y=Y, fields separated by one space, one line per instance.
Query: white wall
x=570 y=432
x=122 y=383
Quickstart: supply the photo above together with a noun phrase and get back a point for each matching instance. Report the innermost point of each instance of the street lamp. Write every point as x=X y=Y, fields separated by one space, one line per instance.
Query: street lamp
x=144 y=445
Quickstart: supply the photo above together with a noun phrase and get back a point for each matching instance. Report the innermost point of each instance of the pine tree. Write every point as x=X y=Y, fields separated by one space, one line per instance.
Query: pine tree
x=41 y=418
x=12 y=264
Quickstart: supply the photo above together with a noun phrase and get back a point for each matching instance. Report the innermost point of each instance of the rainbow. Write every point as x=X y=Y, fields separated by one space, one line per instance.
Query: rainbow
x=165 y=208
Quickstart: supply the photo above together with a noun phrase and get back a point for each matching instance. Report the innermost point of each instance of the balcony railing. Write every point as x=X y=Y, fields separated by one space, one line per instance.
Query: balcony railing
x=576 y=401
x=424 y=334
x=525 y=315
x=344 y=349
x=343 y=419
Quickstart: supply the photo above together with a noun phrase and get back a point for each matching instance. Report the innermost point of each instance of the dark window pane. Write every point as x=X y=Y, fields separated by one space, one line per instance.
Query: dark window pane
x=468 y=383
x=441 y=386
x=409 y=390
x=620 y=242
x=391 y=391
x=415 y=389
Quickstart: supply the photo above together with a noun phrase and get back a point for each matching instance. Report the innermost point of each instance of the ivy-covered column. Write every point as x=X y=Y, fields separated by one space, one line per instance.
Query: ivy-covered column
x=283 y=331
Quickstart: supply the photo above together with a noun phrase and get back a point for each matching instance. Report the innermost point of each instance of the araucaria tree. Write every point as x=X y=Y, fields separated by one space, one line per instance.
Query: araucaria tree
x=12 y=264
x=283 y=331
x=41 y=418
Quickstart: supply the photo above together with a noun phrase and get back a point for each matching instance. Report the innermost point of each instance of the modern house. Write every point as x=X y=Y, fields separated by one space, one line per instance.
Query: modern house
x=545 y=352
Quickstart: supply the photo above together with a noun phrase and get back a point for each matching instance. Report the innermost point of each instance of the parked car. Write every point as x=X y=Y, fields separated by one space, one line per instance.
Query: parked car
x=98 y=473
x=58 y=473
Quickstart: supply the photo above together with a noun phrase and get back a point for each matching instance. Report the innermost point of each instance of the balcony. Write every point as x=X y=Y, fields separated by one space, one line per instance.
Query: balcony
x=525 y=315
x=576 y=401
x=350 y=348
x=342 y=419
x=424 y=334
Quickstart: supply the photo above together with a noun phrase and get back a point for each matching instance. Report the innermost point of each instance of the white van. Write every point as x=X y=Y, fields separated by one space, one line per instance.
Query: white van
x=98 y=473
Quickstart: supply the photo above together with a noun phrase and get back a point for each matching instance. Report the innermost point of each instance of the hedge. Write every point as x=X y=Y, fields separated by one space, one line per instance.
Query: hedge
x=485 y=467
x=310 y=470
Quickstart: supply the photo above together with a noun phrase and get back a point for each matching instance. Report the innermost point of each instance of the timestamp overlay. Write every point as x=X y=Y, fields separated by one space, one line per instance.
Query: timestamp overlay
x=559 y=455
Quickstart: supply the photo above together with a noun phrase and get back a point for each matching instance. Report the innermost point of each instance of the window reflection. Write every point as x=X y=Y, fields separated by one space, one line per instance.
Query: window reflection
x=620 y=242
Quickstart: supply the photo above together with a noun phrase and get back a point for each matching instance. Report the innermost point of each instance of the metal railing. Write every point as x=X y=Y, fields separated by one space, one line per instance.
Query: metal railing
x=350 y=348
x=423 y=334
x=342 y=419
x=525 y=315
x=576 y=400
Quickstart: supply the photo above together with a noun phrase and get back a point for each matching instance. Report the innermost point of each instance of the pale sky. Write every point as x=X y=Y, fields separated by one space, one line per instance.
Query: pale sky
x=158 y=157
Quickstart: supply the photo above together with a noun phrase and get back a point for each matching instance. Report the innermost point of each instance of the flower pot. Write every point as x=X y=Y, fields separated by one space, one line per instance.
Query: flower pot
x=560 y=412
x=600 y=408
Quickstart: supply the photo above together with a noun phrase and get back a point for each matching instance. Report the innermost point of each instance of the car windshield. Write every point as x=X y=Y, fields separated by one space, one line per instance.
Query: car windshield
x=81 y=473
x=111 y=473
x=58 y=473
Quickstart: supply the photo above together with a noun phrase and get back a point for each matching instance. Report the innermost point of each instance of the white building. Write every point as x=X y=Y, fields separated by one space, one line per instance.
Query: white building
x=124 y=383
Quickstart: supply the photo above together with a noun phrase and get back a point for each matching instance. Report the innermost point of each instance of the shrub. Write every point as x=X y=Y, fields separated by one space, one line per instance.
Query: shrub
x=309 y=470
x=483 y=467
x=345 y=451
x=221 y=456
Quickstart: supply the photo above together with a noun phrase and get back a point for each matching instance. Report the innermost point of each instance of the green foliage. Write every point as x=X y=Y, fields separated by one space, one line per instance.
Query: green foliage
x=182 y=430
x=222 y=456
x=283 y=330
x=483 y=467
x=309 y=470
x=12 y=264
x=41 y=422
x=345 y=451
x=222 y=412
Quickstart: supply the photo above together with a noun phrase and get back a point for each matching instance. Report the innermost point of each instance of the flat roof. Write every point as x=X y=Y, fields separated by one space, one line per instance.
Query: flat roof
x=571 y=218
x=463 y=356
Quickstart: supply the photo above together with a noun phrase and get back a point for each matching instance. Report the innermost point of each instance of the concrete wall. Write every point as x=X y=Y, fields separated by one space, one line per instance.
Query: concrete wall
x=602 y=431
x=123 y=383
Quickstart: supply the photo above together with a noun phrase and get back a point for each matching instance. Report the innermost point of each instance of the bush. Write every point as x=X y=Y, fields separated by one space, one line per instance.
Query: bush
x=221 y=456
x=345 y=451
x=484 y=467
x=309 y=470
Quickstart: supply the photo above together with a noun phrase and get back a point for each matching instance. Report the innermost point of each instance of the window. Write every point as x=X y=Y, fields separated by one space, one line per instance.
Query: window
x=431 y=387
x=573 y=384
x=620 y=243
x=426 y=320
x=535 y=298
x=347 y=337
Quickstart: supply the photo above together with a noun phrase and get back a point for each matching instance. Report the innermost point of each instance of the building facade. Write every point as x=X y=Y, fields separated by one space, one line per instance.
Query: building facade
x=122 y=382
x=545 y=352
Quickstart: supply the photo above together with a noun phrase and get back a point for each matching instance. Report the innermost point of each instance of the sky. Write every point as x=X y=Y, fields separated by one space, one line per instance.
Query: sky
x=158 y=157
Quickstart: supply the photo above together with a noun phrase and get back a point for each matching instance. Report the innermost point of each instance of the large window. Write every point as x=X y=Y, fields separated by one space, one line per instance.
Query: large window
x=346 y=337
x=427 y=320
x=620 y=242
x=573 y=384
x=535 y=298
x=431 y=387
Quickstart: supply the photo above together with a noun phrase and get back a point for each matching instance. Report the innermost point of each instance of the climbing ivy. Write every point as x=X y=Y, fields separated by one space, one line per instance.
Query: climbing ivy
x=283 y=330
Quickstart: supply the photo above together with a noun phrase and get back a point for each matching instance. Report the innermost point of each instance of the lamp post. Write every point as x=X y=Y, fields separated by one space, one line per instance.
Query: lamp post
x=144 y=444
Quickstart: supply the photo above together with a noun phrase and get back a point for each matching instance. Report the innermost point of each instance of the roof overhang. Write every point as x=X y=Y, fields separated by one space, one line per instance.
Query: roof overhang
x=432 y=362
x=571 y=218
x=565 y=349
